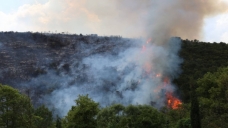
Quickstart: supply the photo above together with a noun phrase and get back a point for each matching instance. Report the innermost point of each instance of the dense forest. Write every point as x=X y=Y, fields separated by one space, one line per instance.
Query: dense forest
x=199 y=58
x=202 y=85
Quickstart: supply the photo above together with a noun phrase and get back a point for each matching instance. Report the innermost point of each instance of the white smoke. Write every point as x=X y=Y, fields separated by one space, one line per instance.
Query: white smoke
x=130 y=77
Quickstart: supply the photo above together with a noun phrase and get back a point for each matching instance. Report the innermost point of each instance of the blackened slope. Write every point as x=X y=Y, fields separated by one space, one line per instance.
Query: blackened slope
x=25 y=56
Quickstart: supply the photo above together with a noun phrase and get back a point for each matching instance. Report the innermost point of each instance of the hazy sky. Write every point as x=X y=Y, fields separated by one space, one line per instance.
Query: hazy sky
x=103 y=17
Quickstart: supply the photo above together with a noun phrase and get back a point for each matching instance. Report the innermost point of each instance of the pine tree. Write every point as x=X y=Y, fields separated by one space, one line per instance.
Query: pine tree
x=58 y=122
x=195 y=112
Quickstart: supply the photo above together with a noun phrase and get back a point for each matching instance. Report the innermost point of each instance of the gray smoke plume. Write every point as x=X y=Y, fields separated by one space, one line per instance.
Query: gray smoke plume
x=135 y=76
x=163 y=19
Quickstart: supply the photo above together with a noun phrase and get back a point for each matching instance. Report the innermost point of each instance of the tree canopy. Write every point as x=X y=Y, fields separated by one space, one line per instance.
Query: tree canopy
x=213 y=96
x=16 y=111
x=83 y=115
x=15 y=108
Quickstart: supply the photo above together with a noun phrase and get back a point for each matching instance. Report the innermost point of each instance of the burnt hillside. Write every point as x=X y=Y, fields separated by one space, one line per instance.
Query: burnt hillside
x=40 y=63
x=27 y=56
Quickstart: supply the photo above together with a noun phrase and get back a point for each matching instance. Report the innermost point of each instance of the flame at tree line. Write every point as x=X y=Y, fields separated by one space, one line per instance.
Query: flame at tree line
x=171 y=101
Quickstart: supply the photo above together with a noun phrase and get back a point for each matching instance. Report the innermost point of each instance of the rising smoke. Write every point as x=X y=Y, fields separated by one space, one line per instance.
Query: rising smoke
x=163 y=19
x=130 y=77
x=133 y=75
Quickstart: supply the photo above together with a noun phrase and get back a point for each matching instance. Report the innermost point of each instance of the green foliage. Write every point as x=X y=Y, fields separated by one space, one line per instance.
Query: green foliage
x=15 y=109
x=83 y=115
x=213 y=92
x=199 y=58
x=44 y=117
x=58 y=122
x=133 y=116
x=173 y=116
x=110 y=117
x=184 y=123
x=143 y=116
x=195 y=112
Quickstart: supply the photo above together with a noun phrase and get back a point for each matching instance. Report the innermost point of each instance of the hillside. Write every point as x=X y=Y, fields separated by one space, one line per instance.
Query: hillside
x=47 y=66
x=199 y=58
x=40 y=64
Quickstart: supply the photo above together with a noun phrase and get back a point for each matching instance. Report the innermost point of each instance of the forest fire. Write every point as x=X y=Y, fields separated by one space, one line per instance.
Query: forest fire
x=171 y=101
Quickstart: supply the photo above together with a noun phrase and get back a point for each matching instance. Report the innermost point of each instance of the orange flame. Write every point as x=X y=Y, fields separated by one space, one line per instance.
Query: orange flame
x=172 y=101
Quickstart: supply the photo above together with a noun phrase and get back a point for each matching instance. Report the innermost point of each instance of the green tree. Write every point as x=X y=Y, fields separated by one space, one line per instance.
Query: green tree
x=177 y=117
x=110 y=117
x=195 y=112
x=184 y=123
x=58 y=122
x=142 y=116
x=199 y=58
x=213 y=92
x=15 y=109
x=44 y=117
x=132 y=116
x=83 y=115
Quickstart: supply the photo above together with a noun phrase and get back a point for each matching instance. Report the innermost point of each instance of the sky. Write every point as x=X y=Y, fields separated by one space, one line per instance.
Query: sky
x=100 y=17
